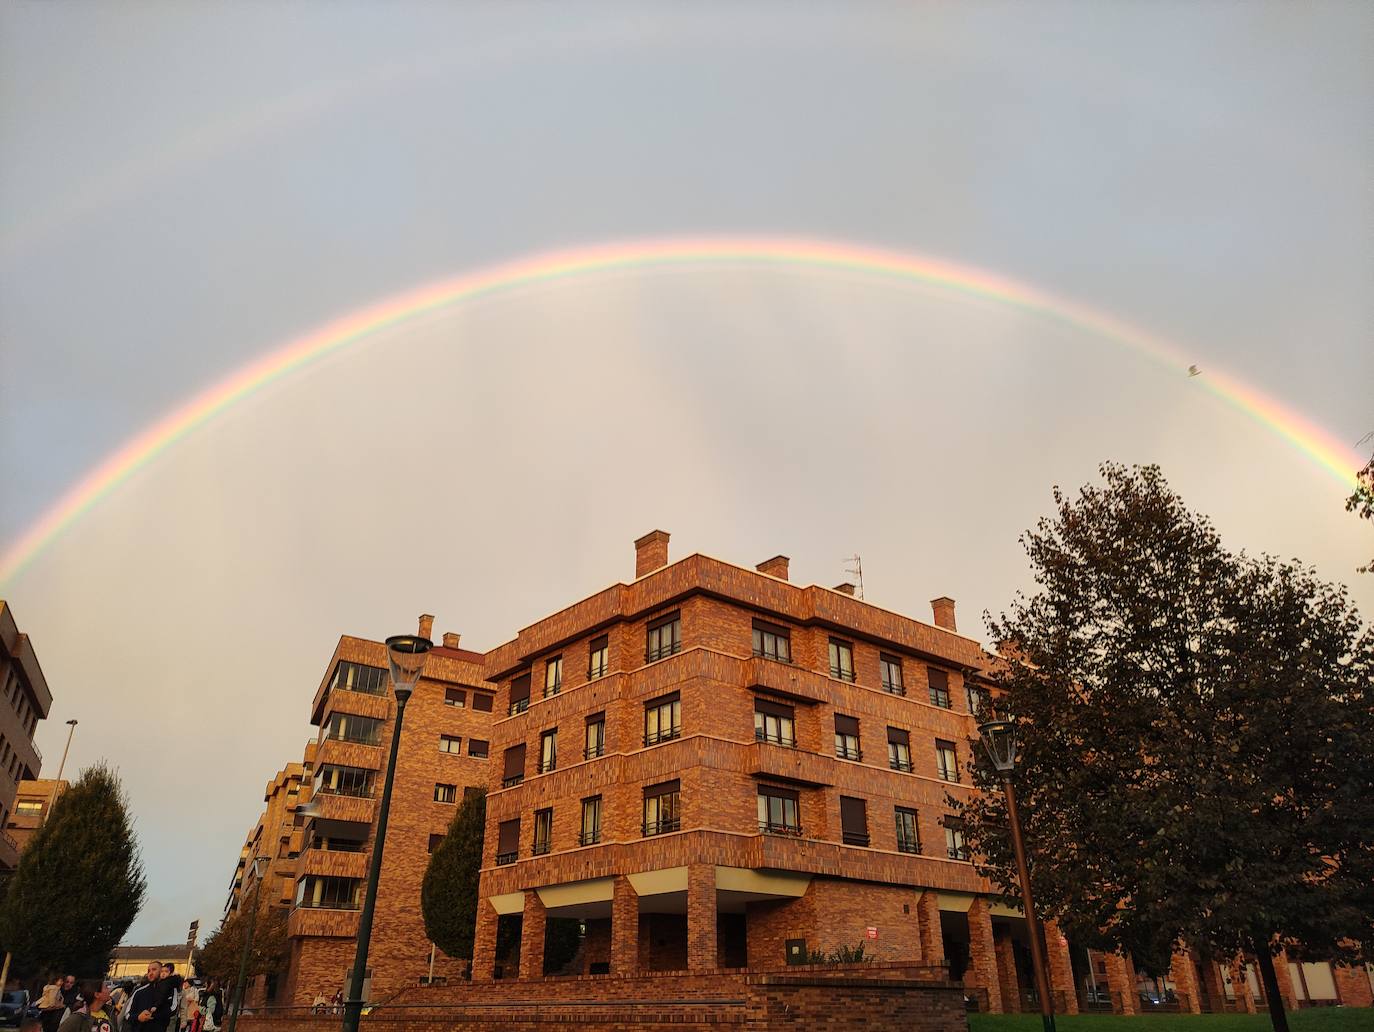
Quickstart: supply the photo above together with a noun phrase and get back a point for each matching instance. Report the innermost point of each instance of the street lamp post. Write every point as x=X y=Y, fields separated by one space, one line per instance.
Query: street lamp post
x=241 y=986
x=406 y=657
x=71 y=729
x=999 y=739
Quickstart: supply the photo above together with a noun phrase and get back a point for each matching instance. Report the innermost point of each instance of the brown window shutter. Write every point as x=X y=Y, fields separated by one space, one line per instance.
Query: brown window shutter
x=508 y=836
x=520 y=688
x=900 y=737
x=515 y=761
x=663 y=700
x=596 y=718
x=781 y=793
x=853 y=816
x=481 y=701
x=846 y=725
x=939 y=680
x=773 y=709
x=665 y=788
x=664 y=620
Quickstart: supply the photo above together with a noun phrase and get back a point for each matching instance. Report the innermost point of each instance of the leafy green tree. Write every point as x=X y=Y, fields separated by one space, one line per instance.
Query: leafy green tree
x=1195 y=739
x=222 y=952
x=448 y=895
x=79 y=884
x=1361 y=501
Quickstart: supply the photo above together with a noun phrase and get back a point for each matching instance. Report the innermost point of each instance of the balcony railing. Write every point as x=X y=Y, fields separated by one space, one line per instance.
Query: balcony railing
x=949 y=775
x=512 y=781
x=845 y=752
x=899 y=764
x=662 y=827
x=379 y=689
x=788 y=741
x=553 y=689
x=518 y=706
x=507 y=858
x=957 y=852
x=539 y=849
x=373 y=739
x=666 y=734
x=662 y=652
x=908 y=846
x=940 y=699
x=589 y=838
x=842 y=675
x=776 y=657
x=855 y=838
x=591 y=752
x=547 y=765
x=894 y=688
x=324 y=904
x=769 y=828
x=364 y=792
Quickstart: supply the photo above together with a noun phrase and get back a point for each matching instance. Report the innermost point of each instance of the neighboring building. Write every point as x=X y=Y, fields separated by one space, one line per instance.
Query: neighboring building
x=26 y=701
x=33 y=802
x=443 y=754
x=131 y=962
x=277 y=836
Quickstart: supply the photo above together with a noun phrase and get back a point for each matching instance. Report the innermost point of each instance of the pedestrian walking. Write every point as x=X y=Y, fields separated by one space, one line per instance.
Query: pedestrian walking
x=190 y=997
x=51 y=1005
x=93 y=1011
x=150 y=1006
x=212 y=1005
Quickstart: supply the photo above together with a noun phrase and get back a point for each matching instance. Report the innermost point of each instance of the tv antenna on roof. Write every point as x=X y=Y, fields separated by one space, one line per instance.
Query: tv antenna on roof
x=855 y=565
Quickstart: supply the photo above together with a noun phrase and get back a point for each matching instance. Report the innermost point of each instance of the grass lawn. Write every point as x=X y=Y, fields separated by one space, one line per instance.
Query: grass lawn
x=1317 y=1019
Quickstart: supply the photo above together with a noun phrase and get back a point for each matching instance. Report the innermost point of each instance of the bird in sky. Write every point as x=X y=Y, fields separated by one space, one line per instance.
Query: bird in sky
x=1193 y=370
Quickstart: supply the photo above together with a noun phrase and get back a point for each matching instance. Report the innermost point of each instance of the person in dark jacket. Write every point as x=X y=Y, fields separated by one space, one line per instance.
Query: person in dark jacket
x=70 y=993
x=150 y=1008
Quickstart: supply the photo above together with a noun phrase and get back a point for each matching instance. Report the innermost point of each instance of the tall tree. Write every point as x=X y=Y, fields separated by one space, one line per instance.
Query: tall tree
x=1195 y=734
x=222 y=952
x=79 y=884
x=448 y=895
x=1361 y=500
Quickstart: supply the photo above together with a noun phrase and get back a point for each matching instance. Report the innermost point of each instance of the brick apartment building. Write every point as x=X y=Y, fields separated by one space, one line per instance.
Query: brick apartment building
x=33 y=801
x=27 y=700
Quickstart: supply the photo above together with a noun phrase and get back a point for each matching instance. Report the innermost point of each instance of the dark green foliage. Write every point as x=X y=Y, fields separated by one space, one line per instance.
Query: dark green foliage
x=841 y=955
x=79 y=883
x=448 y=896
x=1361 y=501
x=562 y=937
x=223 y=950
x=1196 y=737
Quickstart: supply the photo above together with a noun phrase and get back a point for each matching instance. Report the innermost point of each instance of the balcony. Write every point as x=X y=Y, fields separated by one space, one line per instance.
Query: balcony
x=769 y=828
x=665 y=735
x=334 y=922
x=338 y=752
x=345 y=809
x=662 y=827
x=334 y=864
x=786 y=741
x=771 y=760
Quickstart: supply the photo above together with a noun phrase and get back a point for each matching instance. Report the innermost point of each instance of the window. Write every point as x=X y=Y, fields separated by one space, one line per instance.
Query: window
x=661 y=808
x=519 y=695
x=772 y=642
x=853 y=821
x=508 y=841
x=548 y=751
x=345 y=727
x=445 y=793
x=977 y=700
x=939 y=687
x=594 y=744
x=553 y=676
x=478 y=748
x=908 y=838
x=891 y=669
x=345 y=781
x=954 y=839
x=847 y=738
x=337 y=845
x=434 y=840
x=481 y=701
x=774 y=722
x=450 y=743
x=354 y=677
x=514 y=770
x=842 y=660
x=326 y=892
x=455 y=697
x=543 y=832
x=662 y=719
x=591 y=822
x=898 y=749
x=598 y=658
x=779 y=811
x=946 y=760
x=664 y=637
x=28 y=807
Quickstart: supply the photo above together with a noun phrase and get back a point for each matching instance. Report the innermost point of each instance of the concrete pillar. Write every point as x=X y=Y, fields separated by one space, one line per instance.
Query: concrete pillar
x=624 y=927
x=928 y=919
x=701 y=917
x=1121 y=984
x=1061 y=970
x=1006 y=974
x=1183 y=972
x=1240 y=985
x=982 y=971
x=532 y=929
x=484 y=942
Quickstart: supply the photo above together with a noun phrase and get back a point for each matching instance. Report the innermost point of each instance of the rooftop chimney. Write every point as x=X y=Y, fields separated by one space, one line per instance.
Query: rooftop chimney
x=775 y=567
x=451 y=640
x=426 y=625
x=651 y=552
x=844 y=589
x=944 y=612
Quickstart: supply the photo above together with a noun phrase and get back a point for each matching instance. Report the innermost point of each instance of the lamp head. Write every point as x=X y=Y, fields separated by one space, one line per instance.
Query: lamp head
x=405 y=654
x=260 y=865
x=999 y=739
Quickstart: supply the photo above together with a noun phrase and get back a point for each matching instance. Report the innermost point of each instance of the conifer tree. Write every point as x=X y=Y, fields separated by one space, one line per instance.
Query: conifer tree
x=448 y=896
x=79 y=884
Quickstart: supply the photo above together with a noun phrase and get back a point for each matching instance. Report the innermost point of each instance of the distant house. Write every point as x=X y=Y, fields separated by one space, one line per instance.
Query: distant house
x=132 y=961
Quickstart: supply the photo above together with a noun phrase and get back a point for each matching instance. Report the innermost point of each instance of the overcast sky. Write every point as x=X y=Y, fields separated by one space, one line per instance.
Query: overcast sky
x=184 y=188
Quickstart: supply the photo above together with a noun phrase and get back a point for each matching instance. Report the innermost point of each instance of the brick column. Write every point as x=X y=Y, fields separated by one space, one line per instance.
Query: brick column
x=1283 y=974
x=701 y=917
x=1354 y=986
x=1183 y=972
x=1240 y=985
x=983 y=954
x=484 y=943
x=1006 y=974
x=1121 y=984
x=624 y=928
x=532 y=929
x=928 y=919
x=1061 y=969
x=1212 y=985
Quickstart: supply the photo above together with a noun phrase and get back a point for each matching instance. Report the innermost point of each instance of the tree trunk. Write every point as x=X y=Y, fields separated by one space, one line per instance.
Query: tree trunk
x=1270 y=978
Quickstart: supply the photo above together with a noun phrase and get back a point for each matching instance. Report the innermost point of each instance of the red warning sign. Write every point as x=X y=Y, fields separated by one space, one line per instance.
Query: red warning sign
x=871 y=932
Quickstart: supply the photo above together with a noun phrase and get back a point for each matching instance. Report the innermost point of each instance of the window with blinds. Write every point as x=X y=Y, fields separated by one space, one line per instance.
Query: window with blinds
x=519 y=695
x=899 y=749
x=661 y=814
x=853 y=821
x=513 y=771
x=847 y=738
x=775 y=723
x=508 y=841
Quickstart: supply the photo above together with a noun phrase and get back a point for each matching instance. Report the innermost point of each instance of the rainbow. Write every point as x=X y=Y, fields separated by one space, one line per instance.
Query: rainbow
x=667 y=253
